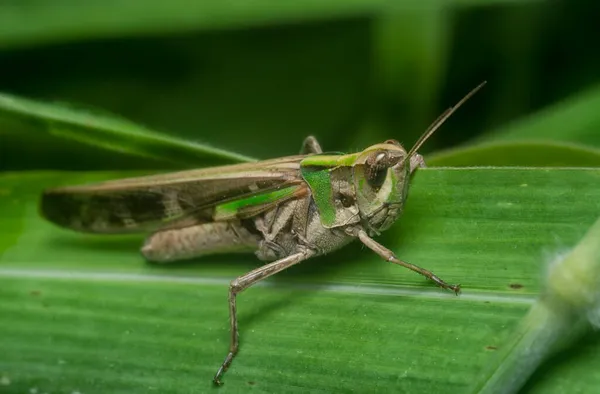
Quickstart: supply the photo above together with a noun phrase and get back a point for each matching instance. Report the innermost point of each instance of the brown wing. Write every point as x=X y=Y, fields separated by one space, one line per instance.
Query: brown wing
x=145 y=203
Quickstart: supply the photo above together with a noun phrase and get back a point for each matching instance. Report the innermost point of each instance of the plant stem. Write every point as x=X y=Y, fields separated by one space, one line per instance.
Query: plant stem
x=561 y=314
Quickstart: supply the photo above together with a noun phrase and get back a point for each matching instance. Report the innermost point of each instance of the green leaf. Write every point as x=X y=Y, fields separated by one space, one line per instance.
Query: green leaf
x=519 y=153
x=575 y=119
x=246 y=91
x=58 y=128
x=38 y=21
x=86 y=313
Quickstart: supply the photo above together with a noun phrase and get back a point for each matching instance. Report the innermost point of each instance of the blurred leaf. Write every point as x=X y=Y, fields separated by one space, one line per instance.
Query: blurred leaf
x=258 y=92
x=517 y=34
x=575 y=119
x=515 y=154
x=25 y=123
x=409 y=50
x=347 y=321
x=38 y=21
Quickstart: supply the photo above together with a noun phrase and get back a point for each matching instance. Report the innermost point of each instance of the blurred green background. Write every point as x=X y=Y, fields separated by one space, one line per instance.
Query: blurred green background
x=257 y=77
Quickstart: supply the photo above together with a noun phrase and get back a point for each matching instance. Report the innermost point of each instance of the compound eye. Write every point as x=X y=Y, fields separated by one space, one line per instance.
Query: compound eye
x=376 y=178
x=377 y=168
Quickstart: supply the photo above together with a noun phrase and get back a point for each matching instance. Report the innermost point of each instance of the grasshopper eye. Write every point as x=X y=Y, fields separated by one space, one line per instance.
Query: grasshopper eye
x=376 y=177
x=377 y=167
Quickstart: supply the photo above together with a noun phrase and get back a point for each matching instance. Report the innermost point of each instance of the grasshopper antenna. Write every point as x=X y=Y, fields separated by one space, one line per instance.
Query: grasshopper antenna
x=440 y=121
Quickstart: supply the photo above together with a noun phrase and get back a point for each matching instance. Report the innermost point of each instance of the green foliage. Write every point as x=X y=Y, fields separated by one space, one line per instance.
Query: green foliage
x=84 y=133
x=347 y=320
x=520 y=153
x=210 y=78
x=575 y=119
x=73 y=20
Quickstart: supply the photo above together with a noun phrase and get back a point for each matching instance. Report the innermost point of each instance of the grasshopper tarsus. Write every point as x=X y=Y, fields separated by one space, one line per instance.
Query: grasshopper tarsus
x=217 y=379
x=439 y=282
x=456 y=289
x=217 y=382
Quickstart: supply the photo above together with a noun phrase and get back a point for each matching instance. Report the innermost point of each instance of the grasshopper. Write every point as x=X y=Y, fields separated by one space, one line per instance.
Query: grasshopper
x=286 y=210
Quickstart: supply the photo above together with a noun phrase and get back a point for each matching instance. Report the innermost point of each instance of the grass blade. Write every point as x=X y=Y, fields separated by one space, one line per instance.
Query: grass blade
x=343 y=322
x=38 y=121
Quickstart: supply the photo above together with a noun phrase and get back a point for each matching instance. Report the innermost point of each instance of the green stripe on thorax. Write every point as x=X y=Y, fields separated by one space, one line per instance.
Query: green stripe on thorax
x=330 y=160
x=329 y=176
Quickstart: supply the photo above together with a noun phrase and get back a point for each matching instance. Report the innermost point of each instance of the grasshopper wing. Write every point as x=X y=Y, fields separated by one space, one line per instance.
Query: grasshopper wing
x=194 y=196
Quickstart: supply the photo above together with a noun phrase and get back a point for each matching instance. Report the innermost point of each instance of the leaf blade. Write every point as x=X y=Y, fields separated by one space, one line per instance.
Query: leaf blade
x=104 y=132
x=354 y=322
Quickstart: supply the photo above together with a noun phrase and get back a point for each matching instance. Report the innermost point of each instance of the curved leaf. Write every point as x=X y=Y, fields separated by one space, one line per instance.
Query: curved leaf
x=29 y=124
x=521 y=154
x=575 y=119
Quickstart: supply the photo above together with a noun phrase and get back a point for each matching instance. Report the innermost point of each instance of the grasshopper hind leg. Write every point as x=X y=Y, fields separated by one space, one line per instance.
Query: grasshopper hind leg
x=242 y=283
x=174 y=244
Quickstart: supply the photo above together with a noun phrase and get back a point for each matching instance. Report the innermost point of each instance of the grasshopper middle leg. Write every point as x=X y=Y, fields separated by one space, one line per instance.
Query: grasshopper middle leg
x=242 y=283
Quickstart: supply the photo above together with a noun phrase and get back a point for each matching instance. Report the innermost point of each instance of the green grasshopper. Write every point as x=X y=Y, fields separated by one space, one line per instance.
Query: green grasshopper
x=286 y=210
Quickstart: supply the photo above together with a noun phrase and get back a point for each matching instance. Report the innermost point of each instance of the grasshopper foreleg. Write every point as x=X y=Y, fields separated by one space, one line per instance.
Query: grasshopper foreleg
x=388 y=255
x=242 y=283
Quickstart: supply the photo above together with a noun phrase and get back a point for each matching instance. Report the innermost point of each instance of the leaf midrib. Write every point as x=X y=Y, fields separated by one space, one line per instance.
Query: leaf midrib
x=381 y=290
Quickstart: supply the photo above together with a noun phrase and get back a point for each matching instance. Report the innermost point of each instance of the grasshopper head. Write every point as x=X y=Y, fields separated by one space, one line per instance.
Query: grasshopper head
x=382 y=174
x=381 y=179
